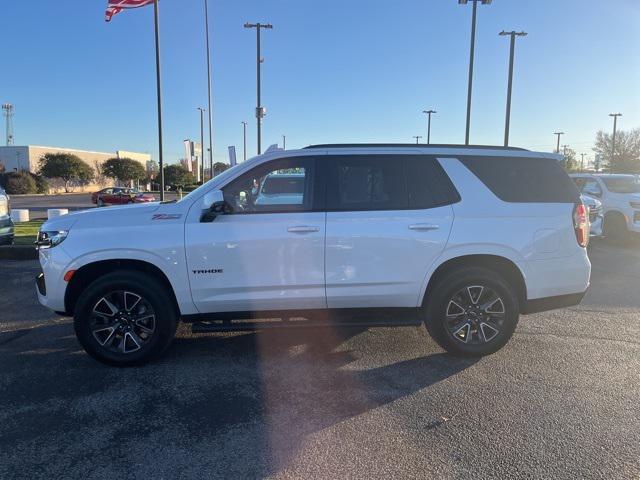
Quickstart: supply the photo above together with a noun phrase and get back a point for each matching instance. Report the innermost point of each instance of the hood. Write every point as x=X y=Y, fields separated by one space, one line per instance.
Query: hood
x=107 y=215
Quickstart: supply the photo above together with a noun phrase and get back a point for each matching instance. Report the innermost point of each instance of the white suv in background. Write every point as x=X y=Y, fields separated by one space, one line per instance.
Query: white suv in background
x=620 y=197
x=464 y=239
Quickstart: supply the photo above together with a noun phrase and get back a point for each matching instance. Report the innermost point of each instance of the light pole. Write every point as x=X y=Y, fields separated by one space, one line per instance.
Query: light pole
x=244 y=141
x=202 y=110
x=471 y=55
x=284 y=142
x=417 y=137
x=613 y=138
x=558 y=144
x=512 y=48
x=206 y=24
x=260 y=111
x=429 y=112
x=582 y=161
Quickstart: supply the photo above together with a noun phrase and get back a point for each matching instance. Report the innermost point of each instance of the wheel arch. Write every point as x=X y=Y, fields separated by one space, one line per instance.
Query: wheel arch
x=499 y=264
x=86 y=274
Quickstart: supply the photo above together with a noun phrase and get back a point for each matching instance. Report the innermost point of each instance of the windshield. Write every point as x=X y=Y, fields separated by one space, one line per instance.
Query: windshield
x=622 y=184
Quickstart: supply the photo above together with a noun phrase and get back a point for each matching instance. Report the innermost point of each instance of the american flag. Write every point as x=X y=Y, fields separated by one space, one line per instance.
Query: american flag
x=116 y=6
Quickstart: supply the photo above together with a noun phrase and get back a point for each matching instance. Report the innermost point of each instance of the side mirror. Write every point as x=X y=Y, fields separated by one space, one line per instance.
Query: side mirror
x=215 y=205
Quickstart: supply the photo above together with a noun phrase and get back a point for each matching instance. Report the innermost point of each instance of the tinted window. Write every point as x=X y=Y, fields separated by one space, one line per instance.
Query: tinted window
x=512 y=179
x=279 y=186
x=427 y=183
x=366 y=183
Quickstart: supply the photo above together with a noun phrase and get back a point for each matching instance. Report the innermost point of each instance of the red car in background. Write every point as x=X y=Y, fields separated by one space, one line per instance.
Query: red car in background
x=120 y=196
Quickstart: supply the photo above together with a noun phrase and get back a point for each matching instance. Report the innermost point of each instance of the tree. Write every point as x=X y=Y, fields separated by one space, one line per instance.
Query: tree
x=18 y=183
x=66 y=167
x=100 y=178
x=627 y=154
x=570 y=162
x=219 y=167
x=178 y=176
x=123 y=169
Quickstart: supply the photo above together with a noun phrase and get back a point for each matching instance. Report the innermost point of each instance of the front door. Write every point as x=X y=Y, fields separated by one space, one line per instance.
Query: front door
x=388 y=219
x=269 y=253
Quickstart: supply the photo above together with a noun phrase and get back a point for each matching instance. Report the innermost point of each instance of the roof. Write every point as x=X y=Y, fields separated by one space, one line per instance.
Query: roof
x=412 y=145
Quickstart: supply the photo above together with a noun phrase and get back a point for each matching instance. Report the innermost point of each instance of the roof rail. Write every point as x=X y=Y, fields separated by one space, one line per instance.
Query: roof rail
x=410 y=145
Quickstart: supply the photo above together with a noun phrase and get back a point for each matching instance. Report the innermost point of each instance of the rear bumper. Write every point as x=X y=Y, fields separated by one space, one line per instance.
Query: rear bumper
x=551 y=303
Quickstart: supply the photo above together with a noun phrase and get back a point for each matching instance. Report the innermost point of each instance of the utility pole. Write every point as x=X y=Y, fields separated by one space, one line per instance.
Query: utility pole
x=202 y=110
x=260 y=110
x=558 y=144
x=613 y=138
x=417 y=137
x=582 y=161
x=429 y=112
x=471 y=55
x=8 y=113
x=210 y=149
x=244 y=141
x=513 y=35
x=284 y=142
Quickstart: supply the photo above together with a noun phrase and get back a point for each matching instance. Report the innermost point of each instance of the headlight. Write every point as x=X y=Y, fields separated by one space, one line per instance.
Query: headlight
x=635 y=204
x=51 y=239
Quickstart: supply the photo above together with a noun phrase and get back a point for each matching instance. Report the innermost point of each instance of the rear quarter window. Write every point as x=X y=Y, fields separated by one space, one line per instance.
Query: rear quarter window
x=524 y=180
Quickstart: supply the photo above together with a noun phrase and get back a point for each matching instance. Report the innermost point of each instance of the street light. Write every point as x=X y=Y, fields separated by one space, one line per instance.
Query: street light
x=582 y=161
x=471 y=54
x=260 y=110
x=429 y=112
x=284 y=142
x=244 y=141
x=417 y=137
x=513 y=35
x=558 y=144
x=613 y=139
x=202 y=110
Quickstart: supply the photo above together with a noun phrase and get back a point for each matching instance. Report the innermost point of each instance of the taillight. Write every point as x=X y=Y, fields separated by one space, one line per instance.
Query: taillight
x=581 y=224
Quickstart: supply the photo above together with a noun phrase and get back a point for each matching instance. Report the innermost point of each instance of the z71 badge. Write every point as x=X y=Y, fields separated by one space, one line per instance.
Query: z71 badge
x=166 y=216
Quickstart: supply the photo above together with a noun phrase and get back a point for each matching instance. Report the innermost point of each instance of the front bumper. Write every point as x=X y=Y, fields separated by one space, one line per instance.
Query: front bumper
x=6 y=230
x=51 y=287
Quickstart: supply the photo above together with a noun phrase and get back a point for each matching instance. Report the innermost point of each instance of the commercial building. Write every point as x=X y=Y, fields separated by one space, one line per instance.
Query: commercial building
x=17 y=158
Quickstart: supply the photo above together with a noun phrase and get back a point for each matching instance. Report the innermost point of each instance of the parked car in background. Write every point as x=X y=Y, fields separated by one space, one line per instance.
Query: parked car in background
x=620 y=197
x=120 y=196
x=595 y=214
x=6 y=224
x=463 y=239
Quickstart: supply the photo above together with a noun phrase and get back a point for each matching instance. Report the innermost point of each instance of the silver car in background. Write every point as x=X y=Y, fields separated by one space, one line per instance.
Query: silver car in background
x=595 y=214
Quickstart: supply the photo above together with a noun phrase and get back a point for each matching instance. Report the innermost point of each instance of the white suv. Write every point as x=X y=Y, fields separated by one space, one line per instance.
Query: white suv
x=620 y=197
x=464 y=239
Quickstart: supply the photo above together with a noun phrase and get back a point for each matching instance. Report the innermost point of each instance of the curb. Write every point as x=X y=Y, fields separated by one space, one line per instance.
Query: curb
x=18 y=252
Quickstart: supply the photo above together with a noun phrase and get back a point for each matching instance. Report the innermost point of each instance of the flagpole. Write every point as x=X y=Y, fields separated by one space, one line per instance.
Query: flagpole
x=159 y=89
x=206 y=23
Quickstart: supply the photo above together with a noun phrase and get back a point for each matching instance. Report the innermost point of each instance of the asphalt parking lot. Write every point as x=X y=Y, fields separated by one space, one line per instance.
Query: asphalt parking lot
x=561 y=400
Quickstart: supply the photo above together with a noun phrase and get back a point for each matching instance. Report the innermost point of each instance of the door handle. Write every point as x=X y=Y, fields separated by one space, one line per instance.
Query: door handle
x=303 y=229
x=423 y=227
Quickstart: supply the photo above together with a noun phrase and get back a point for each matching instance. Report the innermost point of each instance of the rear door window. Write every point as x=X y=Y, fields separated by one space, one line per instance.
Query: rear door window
x=524 y=180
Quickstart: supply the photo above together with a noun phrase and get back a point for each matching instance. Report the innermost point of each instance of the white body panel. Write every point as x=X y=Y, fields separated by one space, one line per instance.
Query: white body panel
x=320 y=259
x=378 y=259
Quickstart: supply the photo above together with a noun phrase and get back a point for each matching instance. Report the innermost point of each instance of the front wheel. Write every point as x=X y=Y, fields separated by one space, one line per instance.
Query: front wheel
x=472 y=312
x=125 y=318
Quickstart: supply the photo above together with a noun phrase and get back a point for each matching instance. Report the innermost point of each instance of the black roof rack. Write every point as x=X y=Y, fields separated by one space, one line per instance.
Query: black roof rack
x=410 y=145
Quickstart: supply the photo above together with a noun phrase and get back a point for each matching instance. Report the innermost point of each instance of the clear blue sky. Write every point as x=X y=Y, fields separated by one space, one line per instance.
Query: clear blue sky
x=334 y=71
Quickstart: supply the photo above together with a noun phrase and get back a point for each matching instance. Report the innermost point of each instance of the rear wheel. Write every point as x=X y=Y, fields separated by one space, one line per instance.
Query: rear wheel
x=472 y=312
x=125 y=318
x=615 y=227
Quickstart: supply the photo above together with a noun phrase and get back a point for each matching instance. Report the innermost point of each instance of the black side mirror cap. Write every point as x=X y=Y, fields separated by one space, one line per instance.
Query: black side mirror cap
x=218 y=208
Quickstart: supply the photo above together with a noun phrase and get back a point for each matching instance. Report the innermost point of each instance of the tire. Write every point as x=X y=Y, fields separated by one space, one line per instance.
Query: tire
x=478 y=331
x=615 y=228
x=141 y=330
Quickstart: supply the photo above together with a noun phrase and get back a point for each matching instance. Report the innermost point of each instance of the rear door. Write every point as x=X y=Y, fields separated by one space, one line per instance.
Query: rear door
x=388 y=218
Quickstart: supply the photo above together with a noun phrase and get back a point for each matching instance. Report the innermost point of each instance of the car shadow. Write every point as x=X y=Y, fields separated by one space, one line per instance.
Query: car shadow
x=243 y=404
